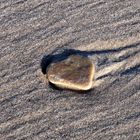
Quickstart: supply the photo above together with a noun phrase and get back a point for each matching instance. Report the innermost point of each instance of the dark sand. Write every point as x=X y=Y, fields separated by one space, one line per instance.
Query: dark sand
x=108 y=31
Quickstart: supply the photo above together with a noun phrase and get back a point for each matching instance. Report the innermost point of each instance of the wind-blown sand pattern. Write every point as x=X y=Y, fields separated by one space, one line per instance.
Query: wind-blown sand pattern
x=107 y=31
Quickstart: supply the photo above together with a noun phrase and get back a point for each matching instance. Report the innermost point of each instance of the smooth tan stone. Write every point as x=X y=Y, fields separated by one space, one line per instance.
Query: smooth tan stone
x=76 y=72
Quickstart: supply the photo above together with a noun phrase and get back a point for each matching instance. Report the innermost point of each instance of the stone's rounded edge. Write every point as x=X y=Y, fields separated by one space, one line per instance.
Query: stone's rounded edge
x=67 y=85
x=93 y=70
x=71 y=86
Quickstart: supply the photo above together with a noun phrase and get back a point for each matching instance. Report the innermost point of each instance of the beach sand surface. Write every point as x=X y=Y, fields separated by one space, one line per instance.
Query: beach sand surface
x=107 y=31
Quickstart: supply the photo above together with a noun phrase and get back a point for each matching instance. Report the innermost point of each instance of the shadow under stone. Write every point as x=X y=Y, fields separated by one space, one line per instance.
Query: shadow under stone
x=53 y=58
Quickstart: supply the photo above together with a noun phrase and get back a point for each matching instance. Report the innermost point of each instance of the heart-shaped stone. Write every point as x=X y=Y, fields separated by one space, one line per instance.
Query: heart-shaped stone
x=76 y=72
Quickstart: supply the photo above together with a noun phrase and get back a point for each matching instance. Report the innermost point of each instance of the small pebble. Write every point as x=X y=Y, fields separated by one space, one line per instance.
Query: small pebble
x=76 y=73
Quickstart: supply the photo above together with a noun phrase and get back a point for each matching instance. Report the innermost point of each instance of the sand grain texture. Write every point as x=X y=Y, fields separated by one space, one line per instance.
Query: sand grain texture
x=108 y=31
